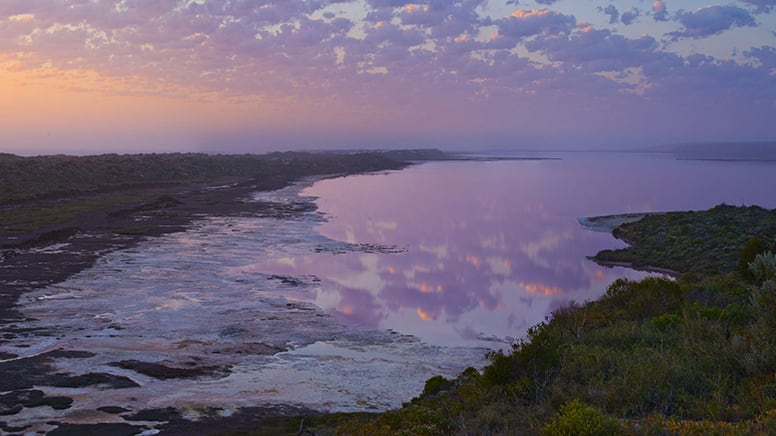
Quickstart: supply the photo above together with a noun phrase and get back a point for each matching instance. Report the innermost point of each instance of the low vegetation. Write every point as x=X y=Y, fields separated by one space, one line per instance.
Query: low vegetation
x=695 y=355
x=705 y=243
x=35 y=177
x=43 y=192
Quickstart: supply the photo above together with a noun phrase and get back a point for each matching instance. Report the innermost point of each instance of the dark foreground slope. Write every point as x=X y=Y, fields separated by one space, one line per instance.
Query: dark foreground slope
x=695 y=355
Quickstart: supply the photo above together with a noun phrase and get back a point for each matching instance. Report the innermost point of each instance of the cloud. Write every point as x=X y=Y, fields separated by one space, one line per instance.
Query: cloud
x=386 y=3
x=597 y=50
x=712 y=20
x=445 y=19
x=766 y=55
x=528 y=22
x=399 y=63
x=630 y=16
x=378 y=15
x=762 y=6
x=659 y=11
x=611 y=11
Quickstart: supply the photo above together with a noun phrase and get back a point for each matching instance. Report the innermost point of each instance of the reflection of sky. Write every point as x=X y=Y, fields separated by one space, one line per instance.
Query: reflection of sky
x=493 y=247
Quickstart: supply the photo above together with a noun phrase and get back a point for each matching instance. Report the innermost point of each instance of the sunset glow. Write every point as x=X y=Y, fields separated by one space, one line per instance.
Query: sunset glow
x=222 y=75
x=426 y=316
x=540 y=289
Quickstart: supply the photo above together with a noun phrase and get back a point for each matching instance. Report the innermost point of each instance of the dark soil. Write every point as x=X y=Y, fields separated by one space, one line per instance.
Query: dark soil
x=112 y=429
x=164 y=372
x=26 y=373
x=113 y=410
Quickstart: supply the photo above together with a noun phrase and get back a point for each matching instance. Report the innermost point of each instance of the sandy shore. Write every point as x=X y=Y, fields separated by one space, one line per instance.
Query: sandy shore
x=607 y=223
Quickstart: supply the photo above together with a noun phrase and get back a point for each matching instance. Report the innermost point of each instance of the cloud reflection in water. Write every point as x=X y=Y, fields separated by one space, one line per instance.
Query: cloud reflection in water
x=491 y=248
x=486 y=252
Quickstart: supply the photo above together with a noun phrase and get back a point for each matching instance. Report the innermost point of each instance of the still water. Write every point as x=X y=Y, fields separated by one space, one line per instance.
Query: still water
x=397 y=277
x=490 y=248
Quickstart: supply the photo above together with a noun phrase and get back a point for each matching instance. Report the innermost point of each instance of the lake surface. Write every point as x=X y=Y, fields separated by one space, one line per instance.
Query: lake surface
x=397 y=277
x=491 y=248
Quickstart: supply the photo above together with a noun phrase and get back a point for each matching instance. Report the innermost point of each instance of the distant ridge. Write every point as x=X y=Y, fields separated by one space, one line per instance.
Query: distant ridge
x=420 y=154
x=55 y=175
x=723 y=151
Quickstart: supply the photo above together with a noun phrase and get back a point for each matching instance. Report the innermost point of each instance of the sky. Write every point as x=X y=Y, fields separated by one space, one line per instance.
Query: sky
x=85 y=76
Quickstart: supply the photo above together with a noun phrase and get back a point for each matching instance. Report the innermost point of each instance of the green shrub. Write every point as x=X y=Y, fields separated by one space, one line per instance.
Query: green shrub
x=577 y=418
x=764 y=303
x=749 y=252
x=642 y=300
x=666 y=321
x=717 y=290
x=763 y=267
x=535 y=356
x=435 y=385
x=737 y=314
x=501 y=370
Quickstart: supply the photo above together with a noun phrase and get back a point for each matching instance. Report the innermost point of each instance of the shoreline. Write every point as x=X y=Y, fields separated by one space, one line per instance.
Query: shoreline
x=120 y=216
x=607 y=223
x=116 y=219
x=630 y=265
x=28 y=264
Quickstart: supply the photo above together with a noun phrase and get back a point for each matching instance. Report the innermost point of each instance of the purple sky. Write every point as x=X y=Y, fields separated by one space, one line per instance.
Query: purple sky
x=240 y=75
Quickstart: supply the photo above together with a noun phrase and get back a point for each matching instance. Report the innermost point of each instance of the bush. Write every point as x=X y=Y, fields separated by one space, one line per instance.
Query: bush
x=763 y=267
x=534 y=356
x=666 y=321
x=435 y=385
x=577 y=418
x=764 y=303
x=749 y=252
x=642 y=300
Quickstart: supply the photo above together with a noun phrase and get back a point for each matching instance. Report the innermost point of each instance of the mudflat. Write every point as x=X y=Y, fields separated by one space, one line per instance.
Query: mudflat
x=57 y=230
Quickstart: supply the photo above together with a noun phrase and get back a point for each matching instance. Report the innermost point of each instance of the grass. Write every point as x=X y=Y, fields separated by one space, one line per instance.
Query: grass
x=27 y=218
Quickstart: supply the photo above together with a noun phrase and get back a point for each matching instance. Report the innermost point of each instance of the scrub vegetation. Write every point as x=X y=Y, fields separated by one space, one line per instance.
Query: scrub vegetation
x=40 y=176
x=43 y=193
x=694 y=355
x=705 y=243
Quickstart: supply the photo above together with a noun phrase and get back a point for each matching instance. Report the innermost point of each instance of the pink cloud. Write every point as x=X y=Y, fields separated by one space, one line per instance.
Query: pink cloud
x=660 y=13
x=445 y=68
x=527 y=22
